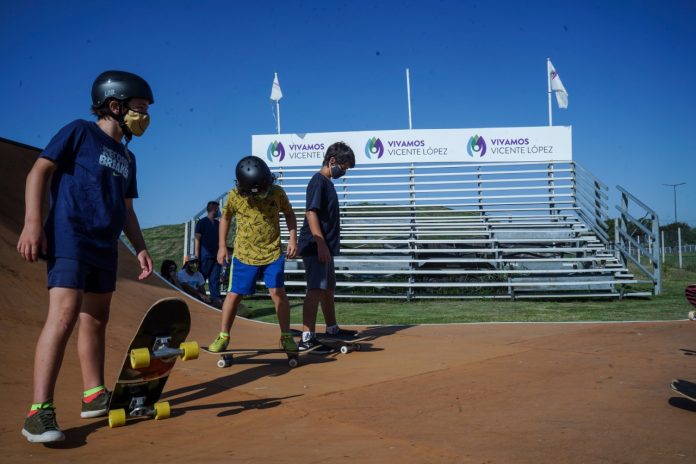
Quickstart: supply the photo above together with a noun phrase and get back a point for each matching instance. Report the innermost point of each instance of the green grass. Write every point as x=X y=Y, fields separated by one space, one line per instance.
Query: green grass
x=166 y=242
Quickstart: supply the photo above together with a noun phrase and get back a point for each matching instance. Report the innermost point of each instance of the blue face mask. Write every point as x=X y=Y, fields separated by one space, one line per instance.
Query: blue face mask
x=337 y=171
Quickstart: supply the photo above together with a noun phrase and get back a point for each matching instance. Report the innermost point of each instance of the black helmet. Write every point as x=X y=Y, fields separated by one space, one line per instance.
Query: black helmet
x=253 y=175
x=121 y=85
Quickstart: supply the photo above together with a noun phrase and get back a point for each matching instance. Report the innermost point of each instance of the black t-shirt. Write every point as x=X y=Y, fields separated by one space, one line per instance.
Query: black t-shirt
x=321 y=197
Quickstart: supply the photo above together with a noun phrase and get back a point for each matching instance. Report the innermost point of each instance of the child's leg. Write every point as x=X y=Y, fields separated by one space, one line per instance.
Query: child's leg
x=92 y=337
x=229 y=311
x=274 y=278
x=63 y=309
x=328 y=307
x=309 y=309
x=282 y=307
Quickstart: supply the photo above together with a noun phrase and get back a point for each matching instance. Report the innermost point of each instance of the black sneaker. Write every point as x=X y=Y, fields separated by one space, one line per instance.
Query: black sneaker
x=342 y=334
x=41 y=427
x=98 y=407
x=313 y=345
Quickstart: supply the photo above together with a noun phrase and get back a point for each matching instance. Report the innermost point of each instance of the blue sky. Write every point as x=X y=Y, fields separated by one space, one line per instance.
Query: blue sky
x=628 y=68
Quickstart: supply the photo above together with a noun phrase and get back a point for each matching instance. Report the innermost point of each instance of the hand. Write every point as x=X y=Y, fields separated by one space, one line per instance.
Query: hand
x=323 y=254
x=145 y=264
x=222 y=256
x=291 y=250
x=32 y=242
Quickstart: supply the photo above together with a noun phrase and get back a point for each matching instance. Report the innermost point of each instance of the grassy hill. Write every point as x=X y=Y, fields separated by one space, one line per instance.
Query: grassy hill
x=165 y=242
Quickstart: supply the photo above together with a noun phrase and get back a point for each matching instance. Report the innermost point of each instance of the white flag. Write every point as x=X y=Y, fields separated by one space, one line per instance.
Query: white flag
x=557 y=87
x=276 y=93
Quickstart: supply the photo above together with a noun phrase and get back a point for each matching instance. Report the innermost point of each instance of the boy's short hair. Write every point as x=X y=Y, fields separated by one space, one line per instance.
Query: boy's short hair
x=342 y=152
x=211 y=204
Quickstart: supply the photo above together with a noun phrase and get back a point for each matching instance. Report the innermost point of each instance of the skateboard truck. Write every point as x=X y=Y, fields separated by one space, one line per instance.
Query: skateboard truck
x=141 y=357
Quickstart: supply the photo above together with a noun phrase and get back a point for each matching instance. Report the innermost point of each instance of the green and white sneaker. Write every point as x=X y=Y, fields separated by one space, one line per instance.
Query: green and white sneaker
x=96 y=406
x=220 y=344
x=41 y=427
x=287 y=343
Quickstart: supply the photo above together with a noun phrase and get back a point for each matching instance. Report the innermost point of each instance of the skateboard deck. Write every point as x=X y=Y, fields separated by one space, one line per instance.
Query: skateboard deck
x=227 y=356
x=685 y=388
x=690 y=293
x=344 y=345
x=158 y=342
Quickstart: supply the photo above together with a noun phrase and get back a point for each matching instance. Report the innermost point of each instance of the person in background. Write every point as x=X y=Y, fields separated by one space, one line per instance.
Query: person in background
x=205 y=247
x=191 y=280
x=168 y=271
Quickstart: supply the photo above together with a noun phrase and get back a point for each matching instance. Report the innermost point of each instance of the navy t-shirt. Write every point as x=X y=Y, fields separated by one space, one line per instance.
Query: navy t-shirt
x=93 y=176
x=209 y=237
x=321 y=197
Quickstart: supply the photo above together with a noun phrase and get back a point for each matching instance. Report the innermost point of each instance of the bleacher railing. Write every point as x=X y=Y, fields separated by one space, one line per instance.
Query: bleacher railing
x=637 y=220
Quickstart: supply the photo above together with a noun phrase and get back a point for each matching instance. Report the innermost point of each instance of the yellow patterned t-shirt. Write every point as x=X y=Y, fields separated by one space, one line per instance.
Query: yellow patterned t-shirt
x=258 y=226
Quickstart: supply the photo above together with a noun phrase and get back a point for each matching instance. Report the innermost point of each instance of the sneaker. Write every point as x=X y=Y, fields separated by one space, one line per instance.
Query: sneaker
x=97 y=406
x=288 y=343
x=311 y=344
x=220 y=344
x=41 y=427
x=343 y=334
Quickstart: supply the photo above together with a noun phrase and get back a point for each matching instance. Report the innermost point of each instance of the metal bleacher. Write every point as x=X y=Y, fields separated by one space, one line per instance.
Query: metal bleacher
x=457 y=231
x=469 y=231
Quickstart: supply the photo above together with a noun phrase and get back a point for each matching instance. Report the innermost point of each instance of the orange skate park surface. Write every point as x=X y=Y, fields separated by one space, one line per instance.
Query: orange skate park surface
x=489 y=393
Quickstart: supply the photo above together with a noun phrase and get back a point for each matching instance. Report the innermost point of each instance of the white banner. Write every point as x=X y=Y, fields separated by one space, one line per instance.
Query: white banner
x=499 y=145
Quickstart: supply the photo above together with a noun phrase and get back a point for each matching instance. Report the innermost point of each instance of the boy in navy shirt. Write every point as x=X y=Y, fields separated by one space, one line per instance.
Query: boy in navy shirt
x=92 y=182
x=319 y=242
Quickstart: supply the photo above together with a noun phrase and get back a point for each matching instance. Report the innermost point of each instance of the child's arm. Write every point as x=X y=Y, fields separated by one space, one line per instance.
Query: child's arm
x=323 y=253
x=32 y=240
x=132 y=230
x=291 y=222
x=223 y=229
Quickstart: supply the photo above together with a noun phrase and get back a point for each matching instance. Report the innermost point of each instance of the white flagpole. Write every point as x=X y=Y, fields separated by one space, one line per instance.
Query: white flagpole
x=408 y=94
x=278 y=113
x=548 y=80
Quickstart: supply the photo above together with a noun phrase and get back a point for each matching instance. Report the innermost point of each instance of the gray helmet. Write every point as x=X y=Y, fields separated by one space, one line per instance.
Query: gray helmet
x=253 y=175
x=120 y=85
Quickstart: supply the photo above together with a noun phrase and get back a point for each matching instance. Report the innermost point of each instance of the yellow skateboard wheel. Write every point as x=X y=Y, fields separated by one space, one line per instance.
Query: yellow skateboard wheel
x=162 y=410
x=117 y=418
x=139 y=358
x=190 y=350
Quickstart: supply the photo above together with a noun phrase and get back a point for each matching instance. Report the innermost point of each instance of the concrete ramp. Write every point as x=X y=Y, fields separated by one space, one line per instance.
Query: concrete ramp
x=522 y=393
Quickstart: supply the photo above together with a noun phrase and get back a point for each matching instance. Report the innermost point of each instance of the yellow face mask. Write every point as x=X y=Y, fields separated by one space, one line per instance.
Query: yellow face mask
x=136 y=122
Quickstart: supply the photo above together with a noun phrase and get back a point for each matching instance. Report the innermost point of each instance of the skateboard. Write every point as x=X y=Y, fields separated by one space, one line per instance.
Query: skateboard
x=227 y=356
x=685 y=388
x=159 y=341
x=340 y=344
x=690 y=293
x=343 y=345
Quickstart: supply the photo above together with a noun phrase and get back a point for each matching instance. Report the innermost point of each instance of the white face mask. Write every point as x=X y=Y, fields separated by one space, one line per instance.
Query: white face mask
x=136 y=122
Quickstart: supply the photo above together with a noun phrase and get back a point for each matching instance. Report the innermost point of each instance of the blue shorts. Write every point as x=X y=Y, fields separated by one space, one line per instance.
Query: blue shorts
x=71 y=273
x=243 y=276
x=319 y=275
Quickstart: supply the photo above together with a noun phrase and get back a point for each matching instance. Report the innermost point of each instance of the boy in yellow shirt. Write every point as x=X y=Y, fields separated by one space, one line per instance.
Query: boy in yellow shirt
x=256 y=203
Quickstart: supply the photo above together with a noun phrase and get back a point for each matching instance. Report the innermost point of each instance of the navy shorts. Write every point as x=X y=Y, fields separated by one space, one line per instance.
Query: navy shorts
x=243 y=276
x=71 y=273
x=319 y=275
